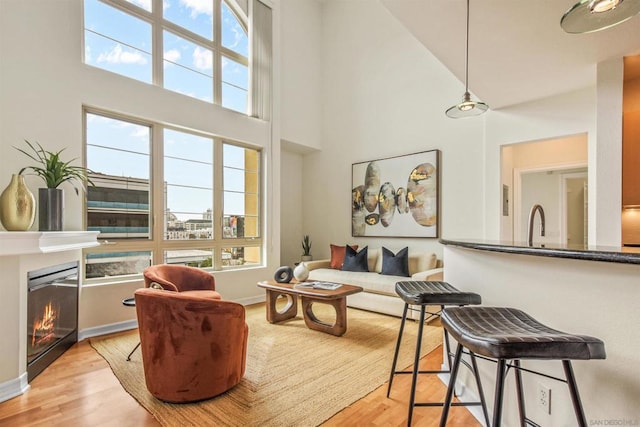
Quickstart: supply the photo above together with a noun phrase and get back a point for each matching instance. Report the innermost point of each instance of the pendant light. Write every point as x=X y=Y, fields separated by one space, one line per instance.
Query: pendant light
x=588 y=16
x=467 y=108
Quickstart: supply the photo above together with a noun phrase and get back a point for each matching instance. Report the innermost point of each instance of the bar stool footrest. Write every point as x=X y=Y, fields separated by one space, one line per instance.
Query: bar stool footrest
x=422 y=372
x=452 y=404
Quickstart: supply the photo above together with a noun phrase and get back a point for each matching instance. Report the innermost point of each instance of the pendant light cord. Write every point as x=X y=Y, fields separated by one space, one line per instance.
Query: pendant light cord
x=466 y=60
x=466 y=108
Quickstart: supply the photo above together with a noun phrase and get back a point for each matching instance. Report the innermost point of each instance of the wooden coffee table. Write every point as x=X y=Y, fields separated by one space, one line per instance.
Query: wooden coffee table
x=336 y=298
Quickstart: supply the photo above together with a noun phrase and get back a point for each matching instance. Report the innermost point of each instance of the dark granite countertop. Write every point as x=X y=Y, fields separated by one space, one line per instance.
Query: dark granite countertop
x=626 y=255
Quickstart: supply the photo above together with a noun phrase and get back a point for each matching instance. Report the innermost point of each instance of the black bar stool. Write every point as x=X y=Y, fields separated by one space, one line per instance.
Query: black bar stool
x=504 y=334
x=423 y=293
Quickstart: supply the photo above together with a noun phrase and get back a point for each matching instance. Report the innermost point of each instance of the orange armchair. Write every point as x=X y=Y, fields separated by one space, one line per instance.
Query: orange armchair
x=193 y=347
x=180 y=278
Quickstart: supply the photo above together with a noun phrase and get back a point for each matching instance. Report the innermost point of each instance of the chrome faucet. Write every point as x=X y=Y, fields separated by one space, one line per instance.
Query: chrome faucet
x=532 y=215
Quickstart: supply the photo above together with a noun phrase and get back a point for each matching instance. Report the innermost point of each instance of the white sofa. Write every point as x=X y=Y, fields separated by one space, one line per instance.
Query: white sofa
x=379 y=293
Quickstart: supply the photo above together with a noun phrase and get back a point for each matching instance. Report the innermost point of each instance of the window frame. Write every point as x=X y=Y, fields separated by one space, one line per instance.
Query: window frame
x=156 y=243
x=159 y=25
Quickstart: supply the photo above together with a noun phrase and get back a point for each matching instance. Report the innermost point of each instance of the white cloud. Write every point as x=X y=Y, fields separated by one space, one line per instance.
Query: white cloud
x=119 y=124
x=145 y=4
x=119 y=56
x=140 y=132
x=172 y=55
x=87 y=54
x=202 y=58
x=198 y=7
x=133 y=129
x=237 y=36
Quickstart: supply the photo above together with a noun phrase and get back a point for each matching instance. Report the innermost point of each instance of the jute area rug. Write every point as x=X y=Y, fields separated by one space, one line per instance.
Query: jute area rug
x=294 y=376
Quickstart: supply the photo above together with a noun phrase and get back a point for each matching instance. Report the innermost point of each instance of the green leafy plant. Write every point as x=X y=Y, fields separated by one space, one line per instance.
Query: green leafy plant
x=306 y=245
x=52 y=169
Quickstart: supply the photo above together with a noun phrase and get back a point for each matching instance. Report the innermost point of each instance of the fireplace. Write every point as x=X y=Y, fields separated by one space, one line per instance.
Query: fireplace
x=52 y=315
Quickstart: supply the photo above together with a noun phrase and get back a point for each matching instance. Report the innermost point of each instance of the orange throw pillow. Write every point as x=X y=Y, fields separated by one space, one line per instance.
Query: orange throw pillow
x=337 y=255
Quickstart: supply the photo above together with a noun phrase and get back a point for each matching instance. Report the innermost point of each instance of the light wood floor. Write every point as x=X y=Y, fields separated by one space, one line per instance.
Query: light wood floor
x=79 y=389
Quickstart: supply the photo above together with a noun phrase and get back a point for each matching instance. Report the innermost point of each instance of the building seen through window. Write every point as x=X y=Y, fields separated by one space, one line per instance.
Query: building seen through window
x=120 y=204
x=118 y=207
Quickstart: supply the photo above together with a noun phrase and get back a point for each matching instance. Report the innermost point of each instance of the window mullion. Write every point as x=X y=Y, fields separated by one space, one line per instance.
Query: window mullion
x=132 y=9
x=218 y=208
x=158 y=193
x=186 y=34
x=240 y=59
x=217 y=57
x=158 y=49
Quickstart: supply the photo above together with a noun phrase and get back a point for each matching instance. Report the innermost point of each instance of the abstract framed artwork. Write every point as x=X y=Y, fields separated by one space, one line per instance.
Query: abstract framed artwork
x=397 y=196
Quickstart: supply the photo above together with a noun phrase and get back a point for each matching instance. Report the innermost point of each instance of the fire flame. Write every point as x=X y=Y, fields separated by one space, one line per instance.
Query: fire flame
x=43 y=329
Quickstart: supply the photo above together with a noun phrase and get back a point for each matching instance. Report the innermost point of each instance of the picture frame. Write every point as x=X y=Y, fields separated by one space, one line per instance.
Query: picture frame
x=396 y=196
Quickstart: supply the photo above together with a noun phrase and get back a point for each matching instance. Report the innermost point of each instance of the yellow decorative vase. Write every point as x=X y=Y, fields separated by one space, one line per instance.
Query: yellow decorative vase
x=17 y=205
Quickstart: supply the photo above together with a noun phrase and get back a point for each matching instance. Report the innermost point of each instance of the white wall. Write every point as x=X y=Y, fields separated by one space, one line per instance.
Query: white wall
x=506 y=173
x=544 y=189
x=291 y=191
x=606 y=158
x=550 y=118
x=576 y=198
x=43 y=87
x=551 y=154
x=302 y=72
x=301 y=108
x=385 y=95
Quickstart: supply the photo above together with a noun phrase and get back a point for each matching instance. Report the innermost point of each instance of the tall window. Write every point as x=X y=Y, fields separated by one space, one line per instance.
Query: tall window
x=118 y=202
x=155 y=198
x=202 y=50
x=188 y=189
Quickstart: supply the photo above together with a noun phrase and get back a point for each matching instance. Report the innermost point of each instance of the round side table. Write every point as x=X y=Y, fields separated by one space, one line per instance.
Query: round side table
x=130 y=302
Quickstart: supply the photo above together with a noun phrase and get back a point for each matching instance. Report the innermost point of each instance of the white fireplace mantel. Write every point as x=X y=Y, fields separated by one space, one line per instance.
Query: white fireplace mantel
x=42 y=242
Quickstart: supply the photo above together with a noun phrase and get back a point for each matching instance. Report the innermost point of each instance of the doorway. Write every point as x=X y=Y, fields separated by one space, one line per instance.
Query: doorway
x=552 y=173
x=562 y=193
x=574 y=191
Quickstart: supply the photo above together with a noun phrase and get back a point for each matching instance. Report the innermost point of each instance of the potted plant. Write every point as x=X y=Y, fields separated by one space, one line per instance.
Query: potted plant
x=306 y=248
x=54 y=172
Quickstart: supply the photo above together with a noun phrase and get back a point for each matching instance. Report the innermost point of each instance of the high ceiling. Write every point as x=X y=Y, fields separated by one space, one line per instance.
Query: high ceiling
x=517 y=50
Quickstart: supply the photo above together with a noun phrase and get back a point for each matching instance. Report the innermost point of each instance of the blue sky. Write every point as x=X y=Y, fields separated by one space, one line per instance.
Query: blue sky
x=121 y=43
x=120 y=148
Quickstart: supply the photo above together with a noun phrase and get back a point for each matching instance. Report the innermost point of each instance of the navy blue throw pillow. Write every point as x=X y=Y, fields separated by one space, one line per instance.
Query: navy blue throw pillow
x=395 y=265
x=355 y=261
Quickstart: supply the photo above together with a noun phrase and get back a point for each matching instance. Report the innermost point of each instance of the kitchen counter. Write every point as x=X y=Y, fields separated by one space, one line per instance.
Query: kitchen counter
x=584 y=290
x=625 y=255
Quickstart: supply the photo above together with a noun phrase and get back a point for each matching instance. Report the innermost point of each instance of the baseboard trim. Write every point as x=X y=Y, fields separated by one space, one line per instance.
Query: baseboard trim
x=107 y=329
x=251 y=300
x=12 y=388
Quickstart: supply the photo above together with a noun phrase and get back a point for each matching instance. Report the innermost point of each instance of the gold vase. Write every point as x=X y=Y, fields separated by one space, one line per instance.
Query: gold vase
x=17 y=205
